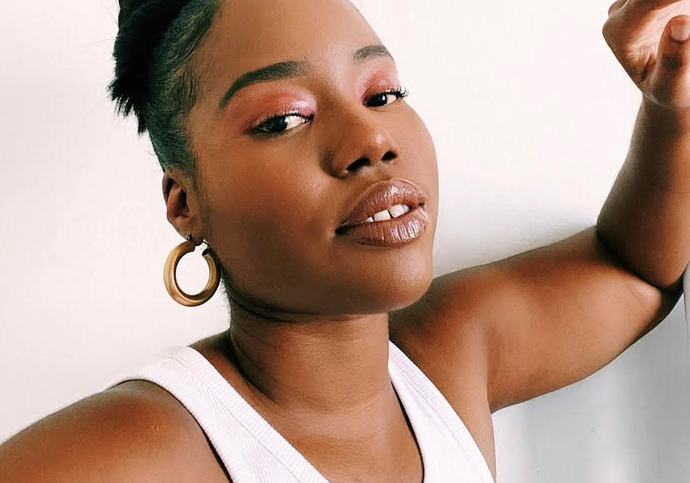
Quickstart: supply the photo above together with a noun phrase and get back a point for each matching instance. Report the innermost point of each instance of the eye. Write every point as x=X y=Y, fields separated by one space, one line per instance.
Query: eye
x=280 y=123
x=387 y=97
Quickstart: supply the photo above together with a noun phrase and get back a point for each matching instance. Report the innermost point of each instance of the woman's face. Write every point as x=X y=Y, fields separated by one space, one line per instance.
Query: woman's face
x=271 y=199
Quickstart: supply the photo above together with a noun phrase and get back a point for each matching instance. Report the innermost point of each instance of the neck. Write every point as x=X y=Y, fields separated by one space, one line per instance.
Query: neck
x=324 y=382
x=315 y=365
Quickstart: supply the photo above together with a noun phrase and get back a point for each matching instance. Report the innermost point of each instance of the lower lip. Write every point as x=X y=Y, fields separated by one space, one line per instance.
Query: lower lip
x=395 y=232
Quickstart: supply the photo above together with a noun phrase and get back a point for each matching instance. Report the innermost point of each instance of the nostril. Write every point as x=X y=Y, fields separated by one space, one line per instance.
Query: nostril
x=356 y=165
x=389 y=156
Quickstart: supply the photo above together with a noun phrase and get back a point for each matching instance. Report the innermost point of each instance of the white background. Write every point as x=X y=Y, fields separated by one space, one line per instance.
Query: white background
x=532 y=117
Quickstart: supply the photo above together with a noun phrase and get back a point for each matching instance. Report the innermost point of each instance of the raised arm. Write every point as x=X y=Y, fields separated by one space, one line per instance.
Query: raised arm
x=646 y=218
x=554 y=315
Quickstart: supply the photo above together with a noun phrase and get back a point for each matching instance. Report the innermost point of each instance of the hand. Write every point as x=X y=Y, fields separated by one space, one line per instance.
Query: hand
x=641 y=35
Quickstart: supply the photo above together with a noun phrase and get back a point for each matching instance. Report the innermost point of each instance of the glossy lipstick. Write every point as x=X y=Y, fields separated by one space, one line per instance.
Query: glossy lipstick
x=389 y=233
x=381 y=196
x=398 y=231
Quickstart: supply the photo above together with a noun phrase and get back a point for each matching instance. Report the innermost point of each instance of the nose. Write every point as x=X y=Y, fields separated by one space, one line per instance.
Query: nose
x=363 y=142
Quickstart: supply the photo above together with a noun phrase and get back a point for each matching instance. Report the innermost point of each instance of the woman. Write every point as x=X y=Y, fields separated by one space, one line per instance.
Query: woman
x=288 y=147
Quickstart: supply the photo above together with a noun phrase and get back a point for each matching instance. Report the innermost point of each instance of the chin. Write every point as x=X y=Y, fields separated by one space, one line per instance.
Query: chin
x=391 y=287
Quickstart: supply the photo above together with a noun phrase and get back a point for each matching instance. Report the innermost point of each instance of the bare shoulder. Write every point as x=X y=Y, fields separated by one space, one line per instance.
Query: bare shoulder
x=447 y=342
x=443 y=335
x=133 y=432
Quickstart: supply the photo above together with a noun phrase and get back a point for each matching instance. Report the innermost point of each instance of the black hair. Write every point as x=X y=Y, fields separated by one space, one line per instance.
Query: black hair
x=155 y=76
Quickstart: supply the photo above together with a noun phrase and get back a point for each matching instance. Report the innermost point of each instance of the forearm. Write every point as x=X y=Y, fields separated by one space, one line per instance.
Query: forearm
x=646 y=217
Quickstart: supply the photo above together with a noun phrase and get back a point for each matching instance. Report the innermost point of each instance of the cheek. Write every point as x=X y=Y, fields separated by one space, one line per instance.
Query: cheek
x=265 y=205
x=419 y=152
x=258 y=199
x=423 y=138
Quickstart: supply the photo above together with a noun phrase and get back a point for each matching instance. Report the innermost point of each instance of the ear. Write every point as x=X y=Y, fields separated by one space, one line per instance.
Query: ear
x=182 y=204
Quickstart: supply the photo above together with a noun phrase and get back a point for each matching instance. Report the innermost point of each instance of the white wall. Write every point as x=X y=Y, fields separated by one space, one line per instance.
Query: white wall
x=531 y=115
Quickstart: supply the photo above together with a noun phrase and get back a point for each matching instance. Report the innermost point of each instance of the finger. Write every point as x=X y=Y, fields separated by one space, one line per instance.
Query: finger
x=637 y=10
x=670 y=82
x=631 y=17
x=616 y=6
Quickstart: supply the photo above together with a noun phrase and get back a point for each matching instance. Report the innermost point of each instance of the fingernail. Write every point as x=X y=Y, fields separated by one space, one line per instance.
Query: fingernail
x=680 y=31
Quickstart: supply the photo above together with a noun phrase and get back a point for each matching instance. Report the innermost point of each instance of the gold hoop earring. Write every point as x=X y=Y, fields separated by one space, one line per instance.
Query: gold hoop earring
x=170 y=275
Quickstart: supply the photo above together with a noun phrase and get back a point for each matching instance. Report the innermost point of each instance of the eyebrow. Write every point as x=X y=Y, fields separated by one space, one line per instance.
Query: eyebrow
x=293 y=68
x=365 y=53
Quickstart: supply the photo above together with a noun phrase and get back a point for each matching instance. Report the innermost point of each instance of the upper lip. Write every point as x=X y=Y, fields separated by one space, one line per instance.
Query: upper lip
x=381 y=196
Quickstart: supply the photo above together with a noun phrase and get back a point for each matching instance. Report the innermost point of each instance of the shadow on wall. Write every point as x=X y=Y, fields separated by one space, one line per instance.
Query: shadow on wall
x=626 y=423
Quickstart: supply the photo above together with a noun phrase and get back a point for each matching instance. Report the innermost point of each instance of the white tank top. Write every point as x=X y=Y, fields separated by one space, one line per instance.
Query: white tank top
x=254 y=452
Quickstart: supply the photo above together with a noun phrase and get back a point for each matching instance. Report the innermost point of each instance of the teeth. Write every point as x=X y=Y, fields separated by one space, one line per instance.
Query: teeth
x=396 y=210
x=382 y=216
x=392 y=212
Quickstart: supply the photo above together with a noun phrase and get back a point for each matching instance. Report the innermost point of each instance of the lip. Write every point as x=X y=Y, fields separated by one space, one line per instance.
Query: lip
x=381 y=196
x=395 y=232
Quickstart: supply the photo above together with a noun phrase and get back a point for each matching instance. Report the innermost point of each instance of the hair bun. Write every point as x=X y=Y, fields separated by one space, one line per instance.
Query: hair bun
x=142 y=25
x=126 y=9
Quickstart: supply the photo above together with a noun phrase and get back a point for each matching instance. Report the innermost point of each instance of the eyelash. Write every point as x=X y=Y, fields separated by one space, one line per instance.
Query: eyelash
x=258 y=130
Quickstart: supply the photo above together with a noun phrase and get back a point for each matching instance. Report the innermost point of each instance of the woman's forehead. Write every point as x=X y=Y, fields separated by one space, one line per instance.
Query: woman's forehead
x=248 y=34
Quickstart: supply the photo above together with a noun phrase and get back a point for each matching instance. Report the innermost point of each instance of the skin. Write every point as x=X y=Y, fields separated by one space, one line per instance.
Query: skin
x=282 y=229
x=314 y=364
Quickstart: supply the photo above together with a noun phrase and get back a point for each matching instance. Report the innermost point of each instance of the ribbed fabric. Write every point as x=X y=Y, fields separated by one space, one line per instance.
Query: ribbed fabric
x=254 y=452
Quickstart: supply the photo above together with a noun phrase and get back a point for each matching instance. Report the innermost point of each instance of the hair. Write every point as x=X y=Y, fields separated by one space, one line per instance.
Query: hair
x=156 y=77
x=155 y=72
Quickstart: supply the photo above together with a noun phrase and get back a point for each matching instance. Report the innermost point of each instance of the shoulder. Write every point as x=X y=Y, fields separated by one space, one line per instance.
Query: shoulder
x=443 y=334
x=131 y=432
